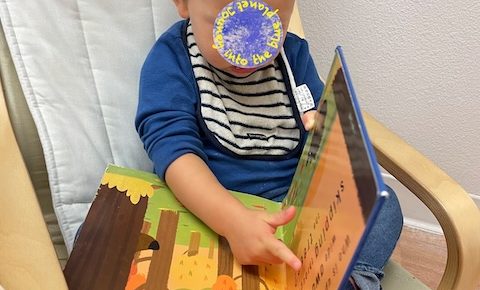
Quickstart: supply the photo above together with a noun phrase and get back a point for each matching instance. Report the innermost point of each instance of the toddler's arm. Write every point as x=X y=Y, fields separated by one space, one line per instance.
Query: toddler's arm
x=250 y=233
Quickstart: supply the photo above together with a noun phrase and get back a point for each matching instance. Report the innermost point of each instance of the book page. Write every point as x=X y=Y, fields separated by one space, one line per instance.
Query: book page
x=333 y=190
x=189 y=254
x=138 y=236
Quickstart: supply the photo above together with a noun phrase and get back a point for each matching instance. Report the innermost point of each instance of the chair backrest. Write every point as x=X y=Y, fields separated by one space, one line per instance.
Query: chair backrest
x=78 y=64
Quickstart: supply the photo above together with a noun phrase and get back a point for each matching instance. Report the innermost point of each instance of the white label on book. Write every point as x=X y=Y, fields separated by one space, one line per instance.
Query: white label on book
x=303 y=98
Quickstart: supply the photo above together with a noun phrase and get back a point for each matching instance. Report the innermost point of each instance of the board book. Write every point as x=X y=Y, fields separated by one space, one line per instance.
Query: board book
x=138 y=236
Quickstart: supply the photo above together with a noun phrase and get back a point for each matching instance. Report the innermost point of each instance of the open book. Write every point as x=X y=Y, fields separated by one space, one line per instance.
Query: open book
x=138 y=236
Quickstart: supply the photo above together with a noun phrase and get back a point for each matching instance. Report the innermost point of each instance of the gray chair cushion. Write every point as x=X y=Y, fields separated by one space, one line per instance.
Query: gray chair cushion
x=397 y=278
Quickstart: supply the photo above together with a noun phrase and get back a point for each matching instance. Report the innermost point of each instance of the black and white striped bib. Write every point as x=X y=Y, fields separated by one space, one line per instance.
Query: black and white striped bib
x=248 y=116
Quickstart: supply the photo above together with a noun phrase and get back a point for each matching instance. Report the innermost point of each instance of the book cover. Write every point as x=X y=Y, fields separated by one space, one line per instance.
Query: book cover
x=138 y=236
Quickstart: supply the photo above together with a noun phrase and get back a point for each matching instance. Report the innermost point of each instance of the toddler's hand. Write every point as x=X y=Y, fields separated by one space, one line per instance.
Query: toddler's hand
x=253 y=242
x=308 y=119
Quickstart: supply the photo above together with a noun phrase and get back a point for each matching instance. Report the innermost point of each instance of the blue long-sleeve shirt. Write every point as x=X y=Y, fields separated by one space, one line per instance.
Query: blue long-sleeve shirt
x=169 y=119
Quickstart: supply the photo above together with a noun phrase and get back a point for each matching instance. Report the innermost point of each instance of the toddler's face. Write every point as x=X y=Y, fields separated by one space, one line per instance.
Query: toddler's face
x=202 y=14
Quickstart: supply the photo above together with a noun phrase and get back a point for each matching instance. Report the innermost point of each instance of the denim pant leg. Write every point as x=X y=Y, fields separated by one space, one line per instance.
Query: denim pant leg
x=379 y=245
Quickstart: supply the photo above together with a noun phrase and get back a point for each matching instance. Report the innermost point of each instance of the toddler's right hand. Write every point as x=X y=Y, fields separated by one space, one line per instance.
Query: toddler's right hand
x=253 y=241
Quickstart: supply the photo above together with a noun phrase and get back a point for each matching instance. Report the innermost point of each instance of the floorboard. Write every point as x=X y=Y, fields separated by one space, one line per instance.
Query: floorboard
x=423 y=254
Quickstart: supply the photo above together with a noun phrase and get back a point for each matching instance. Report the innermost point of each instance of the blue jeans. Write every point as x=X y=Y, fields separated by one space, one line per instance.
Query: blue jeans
x=379 y=245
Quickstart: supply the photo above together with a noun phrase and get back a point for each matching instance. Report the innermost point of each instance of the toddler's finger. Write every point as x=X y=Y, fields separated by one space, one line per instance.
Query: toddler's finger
x=280 y=250
x=282 y=217
x=272 y=260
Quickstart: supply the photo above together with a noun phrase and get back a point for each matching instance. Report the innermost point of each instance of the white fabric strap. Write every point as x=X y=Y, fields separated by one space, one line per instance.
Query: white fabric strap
x=291 y=78
x=302 y=95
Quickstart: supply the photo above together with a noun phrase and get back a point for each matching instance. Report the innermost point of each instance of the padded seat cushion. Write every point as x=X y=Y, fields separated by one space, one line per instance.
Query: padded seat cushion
x=397 y=278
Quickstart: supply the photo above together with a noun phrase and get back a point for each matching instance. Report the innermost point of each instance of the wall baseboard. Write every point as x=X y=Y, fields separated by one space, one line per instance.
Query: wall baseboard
x=423 y=226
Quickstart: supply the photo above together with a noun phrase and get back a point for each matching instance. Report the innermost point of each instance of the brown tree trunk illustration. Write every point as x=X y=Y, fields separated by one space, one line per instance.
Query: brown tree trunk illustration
x=225 y=257
x=159 y=270
x=250 y=277
x=211 y=249
x=194 y=245
x=103 y=253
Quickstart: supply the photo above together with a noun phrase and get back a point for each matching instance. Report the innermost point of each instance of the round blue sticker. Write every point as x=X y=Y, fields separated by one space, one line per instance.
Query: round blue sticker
x=248 y=34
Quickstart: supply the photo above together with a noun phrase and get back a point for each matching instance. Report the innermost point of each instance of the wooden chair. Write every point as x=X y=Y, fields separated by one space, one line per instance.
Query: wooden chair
x=29 y=259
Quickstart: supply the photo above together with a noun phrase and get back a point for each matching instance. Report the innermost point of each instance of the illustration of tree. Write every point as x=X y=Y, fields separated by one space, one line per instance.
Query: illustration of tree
x=194 y=244
x=225 y=258
x=211 y=249
x=159 y=270
x=102 y=256
x=250 y=277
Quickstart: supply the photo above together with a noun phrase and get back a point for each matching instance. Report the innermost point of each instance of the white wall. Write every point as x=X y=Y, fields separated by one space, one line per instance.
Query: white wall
x=416 y=68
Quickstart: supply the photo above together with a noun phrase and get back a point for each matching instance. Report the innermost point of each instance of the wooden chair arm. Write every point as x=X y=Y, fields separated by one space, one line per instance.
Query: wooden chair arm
x=28 y=259
x=448 y=201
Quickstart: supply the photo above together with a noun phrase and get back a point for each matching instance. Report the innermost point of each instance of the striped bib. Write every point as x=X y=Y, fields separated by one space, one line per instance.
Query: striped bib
x=249 y=115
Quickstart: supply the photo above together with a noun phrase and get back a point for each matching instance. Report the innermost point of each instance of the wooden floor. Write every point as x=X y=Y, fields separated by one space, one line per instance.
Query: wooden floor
x=423 y=254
